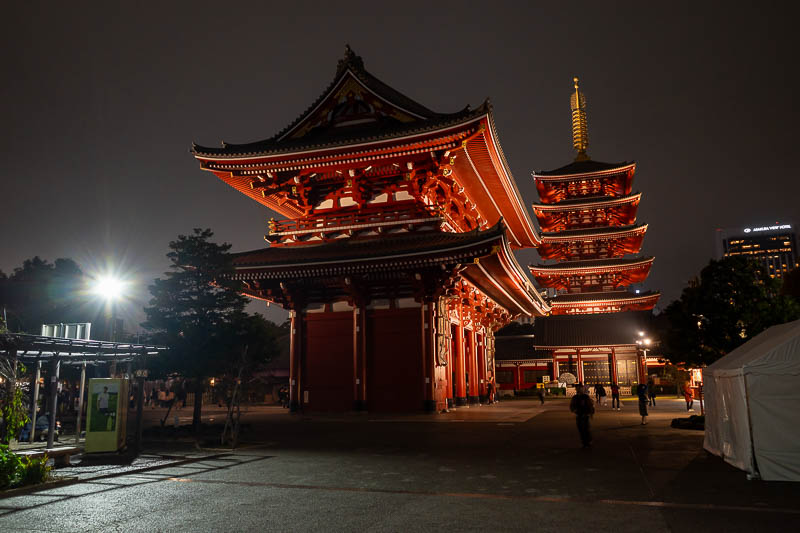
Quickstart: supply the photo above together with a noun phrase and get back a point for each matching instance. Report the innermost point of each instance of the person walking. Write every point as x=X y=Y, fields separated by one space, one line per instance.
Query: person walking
x=651 y=392
x=687 y=395
x=641 y=392
x=583 y=407
x=540 y=394
x=614 y=396
x=601 y=394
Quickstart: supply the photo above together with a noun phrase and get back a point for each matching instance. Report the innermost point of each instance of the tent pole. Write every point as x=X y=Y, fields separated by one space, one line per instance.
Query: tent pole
x=756 y=474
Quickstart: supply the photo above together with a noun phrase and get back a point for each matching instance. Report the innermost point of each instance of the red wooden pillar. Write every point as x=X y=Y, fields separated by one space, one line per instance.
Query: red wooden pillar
x=450 y=370
x=295 y=356
x=461 y=383
x=359 y=358
x=428 y=357
x=579 y=372
x=472 y=367
x=555 y=366
x=482 y=375
x=614 y=377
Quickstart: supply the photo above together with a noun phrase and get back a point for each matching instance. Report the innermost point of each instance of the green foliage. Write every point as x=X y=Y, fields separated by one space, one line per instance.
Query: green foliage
x=10 y=467
x=35 y=470
x=13 y=414
x=18 y=471
x=732 y=301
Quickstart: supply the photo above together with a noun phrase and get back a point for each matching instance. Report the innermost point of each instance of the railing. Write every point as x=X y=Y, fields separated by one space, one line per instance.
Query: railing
x=357 y=220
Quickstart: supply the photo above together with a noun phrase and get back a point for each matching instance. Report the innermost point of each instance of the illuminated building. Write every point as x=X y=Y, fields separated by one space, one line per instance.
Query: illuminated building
x=590 y=238
x=395 y=255
x=775 y=246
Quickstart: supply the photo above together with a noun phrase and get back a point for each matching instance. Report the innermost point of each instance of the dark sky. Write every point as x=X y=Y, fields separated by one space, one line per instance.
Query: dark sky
x=100 y=104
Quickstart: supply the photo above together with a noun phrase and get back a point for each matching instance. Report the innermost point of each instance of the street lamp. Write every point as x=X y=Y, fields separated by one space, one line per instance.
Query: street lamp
x=644 y=343
x=111 y=289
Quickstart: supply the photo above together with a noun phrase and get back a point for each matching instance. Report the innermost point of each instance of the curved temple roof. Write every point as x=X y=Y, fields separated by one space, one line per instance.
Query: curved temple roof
x=484 y=258
x=359 y=120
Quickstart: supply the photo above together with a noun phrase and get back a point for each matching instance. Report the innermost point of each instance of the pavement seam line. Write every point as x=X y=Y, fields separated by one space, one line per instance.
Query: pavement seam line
x=475 y=495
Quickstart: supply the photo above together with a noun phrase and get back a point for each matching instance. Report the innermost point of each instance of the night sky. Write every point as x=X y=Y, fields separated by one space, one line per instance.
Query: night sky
x=100 y=105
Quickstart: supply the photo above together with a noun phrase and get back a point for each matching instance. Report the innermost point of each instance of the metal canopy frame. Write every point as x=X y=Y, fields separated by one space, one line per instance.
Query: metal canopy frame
x=57 y=350
x=34 y=348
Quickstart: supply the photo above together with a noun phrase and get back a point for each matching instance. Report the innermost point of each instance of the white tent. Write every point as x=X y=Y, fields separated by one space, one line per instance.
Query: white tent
x=753 y=405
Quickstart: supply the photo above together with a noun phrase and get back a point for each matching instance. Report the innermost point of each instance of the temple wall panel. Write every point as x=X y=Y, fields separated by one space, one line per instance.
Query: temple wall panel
x=394 y=363
x=327 y=363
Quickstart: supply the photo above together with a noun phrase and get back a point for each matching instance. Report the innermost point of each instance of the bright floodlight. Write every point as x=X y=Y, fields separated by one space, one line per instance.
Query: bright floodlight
x=641 y=333
x=109 y=287
x=647 y=342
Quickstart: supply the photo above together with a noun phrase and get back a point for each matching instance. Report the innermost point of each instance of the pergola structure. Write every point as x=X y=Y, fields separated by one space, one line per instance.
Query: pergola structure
x=38 y=349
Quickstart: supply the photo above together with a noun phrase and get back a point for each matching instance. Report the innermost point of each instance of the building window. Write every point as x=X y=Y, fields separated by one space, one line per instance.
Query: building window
x=596 y=372
x=534 y=376
x=626 y=373
x=568 y=366
x=505 y=376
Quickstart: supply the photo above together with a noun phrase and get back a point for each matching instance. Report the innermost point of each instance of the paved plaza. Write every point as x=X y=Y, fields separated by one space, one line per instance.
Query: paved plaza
x=514 y=466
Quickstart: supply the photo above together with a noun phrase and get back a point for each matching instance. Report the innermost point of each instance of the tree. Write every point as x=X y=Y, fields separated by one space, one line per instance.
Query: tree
x=193 y=309
x=791 y=284
x=41 y=292
x=732 y=301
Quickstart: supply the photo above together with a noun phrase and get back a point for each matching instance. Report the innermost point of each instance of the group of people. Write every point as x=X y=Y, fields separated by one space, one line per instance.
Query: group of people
x=583 y=406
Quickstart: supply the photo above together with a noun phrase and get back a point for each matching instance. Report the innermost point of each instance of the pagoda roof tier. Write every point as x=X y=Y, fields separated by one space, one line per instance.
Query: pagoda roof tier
x=602 y=302
x=591 y=234
x=399 y=260
x=589 y=202
x=359 y=124
x=584 y=169
x=636 y=269
x=592 y=243
x=615 y=181
x=587 y=212
x=571 y=331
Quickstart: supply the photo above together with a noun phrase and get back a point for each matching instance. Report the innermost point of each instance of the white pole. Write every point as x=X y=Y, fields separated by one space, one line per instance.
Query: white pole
x=80 y=403
x=35 y=402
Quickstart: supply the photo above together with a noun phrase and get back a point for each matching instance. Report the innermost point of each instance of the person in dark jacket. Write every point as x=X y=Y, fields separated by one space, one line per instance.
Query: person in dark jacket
x=641 y=392
x=651 y=392
x=601 y=394
x=614 y=396
x=583 y=407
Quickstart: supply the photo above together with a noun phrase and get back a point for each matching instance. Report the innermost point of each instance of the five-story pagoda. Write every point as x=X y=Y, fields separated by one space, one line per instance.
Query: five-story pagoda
x=590 y=238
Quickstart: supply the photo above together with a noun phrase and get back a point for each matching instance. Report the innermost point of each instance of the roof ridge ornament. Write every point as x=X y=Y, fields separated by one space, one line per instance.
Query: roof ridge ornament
x=350 y=60
x=580 y=129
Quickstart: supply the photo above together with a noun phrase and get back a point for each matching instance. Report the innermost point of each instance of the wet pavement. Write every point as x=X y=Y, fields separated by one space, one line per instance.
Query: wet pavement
x=514 y=466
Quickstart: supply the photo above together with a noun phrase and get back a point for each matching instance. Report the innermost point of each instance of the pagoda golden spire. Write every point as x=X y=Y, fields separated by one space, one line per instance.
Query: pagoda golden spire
x=580 y=130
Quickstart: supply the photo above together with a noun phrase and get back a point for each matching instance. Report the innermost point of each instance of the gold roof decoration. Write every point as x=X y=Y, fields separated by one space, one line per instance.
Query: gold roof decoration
x=580 y=129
